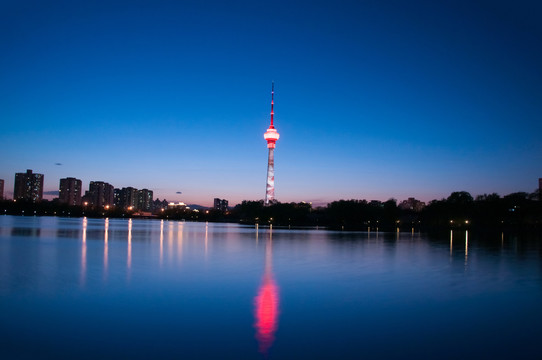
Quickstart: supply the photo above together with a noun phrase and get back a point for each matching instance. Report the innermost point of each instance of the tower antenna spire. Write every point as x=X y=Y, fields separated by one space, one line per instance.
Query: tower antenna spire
x=272 y=100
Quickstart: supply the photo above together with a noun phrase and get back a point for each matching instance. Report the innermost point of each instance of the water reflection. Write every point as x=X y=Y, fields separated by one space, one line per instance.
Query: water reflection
x=129 y=259
x=335 y=282
x=106 y=246
x=25 y=231
x=466 y=247
x=206 y=238
x=180 y=227
x=451 y=242
x=170 y=241
x=267 y=303
x=84 y=252
x=161 y=242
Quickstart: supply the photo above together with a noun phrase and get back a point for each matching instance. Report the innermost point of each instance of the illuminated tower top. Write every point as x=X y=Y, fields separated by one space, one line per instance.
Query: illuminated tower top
x=271 y=135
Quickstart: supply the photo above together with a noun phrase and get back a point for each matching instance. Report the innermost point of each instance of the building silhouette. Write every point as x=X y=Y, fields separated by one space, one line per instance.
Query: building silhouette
x=412 y=204
x=70 y=191
x=28 y=186
x=271 y=136
x=220 y=204
x=144 y=201
x=133 y=199
x=159 y=205
x=129 y=198
x=117 y=197
x=99 y=194
x=126 y=198
x=1 y=189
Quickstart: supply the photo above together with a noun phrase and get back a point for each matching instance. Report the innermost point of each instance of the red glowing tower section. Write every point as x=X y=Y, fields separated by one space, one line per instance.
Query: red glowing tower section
x=271 y=136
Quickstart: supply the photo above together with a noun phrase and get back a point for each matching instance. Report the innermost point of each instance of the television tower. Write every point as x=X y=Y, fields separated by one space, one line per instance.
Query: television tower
x=271 y=135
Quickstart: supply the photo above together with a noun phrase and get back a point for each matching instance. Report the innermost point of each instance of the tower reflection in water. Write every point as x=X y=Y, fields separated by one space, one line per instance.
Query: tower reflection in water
x=267 y=303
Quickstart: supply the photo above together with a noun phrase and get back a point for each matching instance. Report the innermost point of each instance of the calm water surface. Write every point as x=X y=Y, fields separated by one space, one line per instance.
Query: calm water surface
x=95 y=288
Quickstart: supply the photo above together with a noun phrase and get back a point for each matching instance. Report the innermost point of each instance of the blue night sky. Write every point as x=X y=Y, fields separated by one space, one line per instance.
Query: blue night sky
x=373 y=99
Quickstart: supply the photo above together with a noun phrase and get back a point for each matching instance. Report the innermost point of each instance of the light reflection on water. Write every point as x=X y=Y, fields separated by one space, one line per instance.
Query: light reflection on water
x=466 y=247
x=267 y=302
x=129 y=259
x=84 y=253
x=154 y=289
x=106 y=246
x=161 y=242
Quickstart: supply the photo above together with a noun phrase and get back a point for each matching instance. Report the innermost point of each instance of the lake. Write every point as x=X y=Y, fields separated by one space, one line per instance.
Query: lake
x=122 y=288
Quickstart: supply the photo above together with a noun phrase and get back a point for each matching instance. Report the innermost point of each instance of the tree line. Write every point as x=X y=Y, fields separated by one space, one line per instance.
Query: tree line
x=459 y=210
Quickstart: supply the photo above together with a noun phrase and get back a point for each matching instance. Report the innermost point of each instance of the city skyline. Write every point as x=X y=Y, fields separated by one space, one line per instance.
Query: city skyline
x=70 y=192
x=376 y=100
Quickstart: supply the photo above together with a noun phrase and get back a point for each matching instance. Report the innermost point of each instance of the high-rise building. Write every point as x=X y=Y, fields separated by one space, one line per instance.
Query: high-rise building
x=100 y=194
x=271 y=136
x=1 y=189
x=133 y=199
x=28 y=186
x=70 y=191
x=117 y=198
x=220 y=204
x=129 y=197
x=86 y=200
x=145 y=202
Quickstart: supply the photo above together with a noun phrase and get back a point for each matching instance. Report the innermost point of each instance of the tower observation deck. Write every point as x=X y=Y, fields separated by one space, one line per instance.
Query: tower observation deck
x=271 y=136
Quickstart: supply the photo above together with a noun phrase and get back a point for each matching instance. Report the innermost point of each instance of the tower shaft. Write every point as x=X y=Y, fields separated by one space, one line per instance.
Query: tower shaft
x=270 y=186
x=271 y=136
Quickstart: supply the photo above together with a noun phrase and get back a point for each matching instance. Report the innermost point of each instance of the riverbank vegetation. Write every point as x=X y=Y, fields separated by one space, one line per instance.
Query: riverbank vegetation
x=459 y=210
